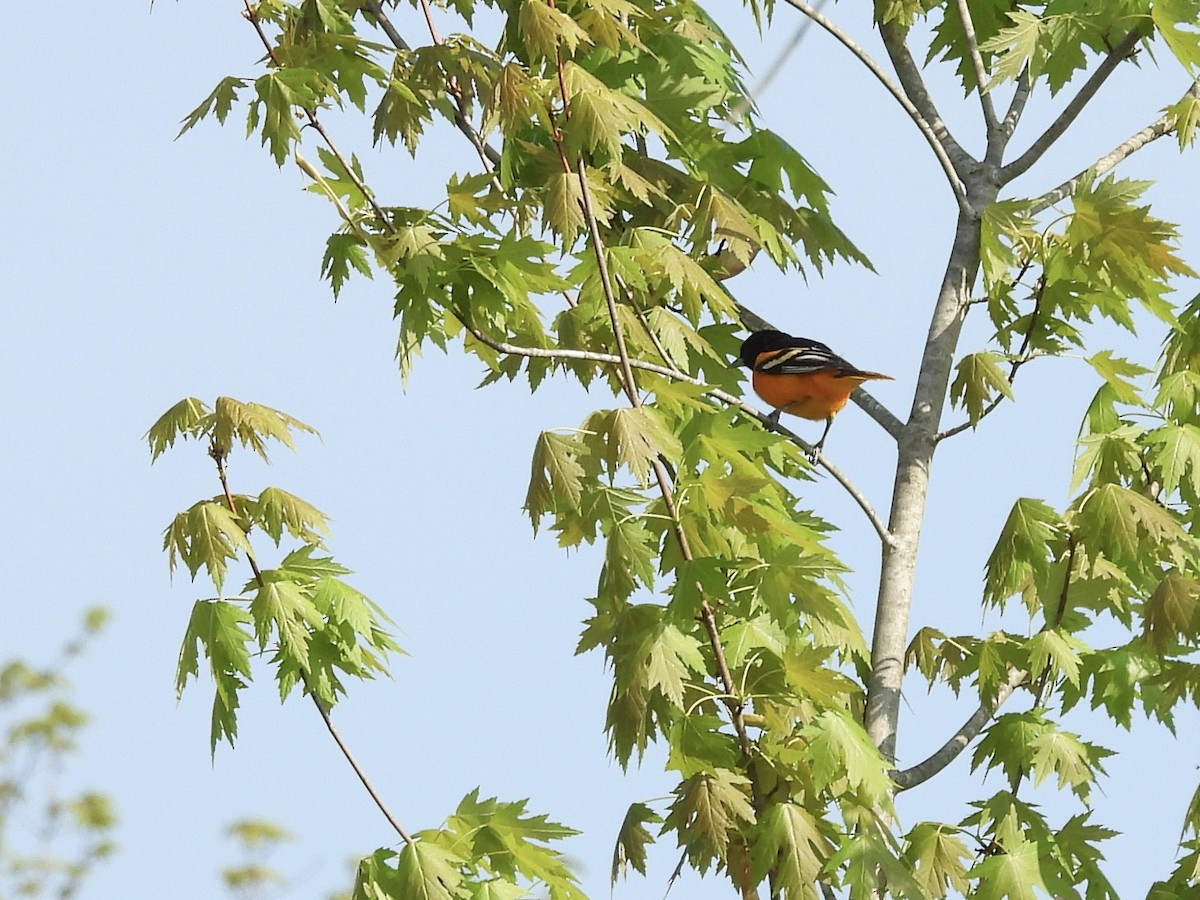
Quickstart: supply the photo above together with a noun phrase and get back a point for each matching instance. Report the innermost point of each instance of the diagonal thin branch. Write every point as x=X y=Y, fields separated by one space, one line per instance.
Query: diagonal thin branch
x=1016 y=106
x=944 y=147
x=1152 y=132
x=218 y=457
x=716 y=393
x=1071 y=111
x=949 y=751
x=732 y=699
x=981 y=78
x=251 y=16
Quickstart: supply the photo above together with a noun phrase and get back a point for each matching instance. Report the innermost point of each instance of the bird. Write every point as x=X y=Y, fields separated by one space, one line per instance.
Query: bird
x=800 y=376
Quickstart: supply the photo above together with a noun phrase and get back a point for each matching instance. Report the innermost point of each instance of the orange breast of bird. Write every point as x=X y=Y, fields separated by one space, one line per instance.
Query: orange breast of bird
x=812 y=395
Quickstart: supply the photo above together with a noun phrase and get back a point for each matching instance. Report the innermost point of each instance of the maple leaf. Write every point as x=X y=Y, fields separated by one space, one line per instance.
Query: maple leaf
x=708 y=811
x=219 y=628
x=978 y=382
x=792 y=845
x=632 y=840
x=938 y=858
x=1014 y=874
x=427 y=871
x=187 y=418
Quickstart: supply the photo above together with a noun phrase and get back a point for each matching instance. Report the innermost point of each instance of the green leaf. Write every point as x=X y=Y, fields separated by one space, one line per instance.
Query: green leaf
x=633 y=438
x=207 y=535
x=1116 y=372
x=1176 y=456
x=1176 y=23
x=344 y=252
x=938 y=858
x=840 y=748
x=709 y=810
x=699 y=744
x=670 y=656
x=1028 y=544
x=632 y=840
x=426 y=871
x=978 y=382
x=219 y=628
x=1074 y=762
x=281 y=92
x=187 y=418
x=512 y=843
x=557 y=476
x=1130 y=529
x=790 y=845
x=286 y=609
x=543 y=29
x=629 y=558
x=276 y=510
x=1057 y=651
x=1014 y=874
x=563 y=201
x=1172 y=613
x=252 y=425
x=1184 y=116
x=1007 y=236
x=741 y=639
x=219 y=101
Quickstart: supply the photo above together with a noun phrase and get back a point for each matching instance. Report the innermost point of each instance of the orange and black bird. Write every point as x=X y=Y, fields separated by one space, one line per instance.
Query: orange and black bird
x=802 y=377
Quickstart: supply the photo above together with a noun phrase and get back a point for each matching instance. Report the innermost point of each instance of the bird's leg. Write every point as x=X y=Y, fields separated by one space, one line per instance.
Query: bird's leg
x=816 y=448
x=773 y=420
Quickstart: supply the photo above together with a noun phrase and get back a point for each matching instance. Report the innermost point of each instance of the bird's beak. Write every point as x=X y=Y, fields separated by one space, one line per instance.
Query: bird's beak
x=741 y=364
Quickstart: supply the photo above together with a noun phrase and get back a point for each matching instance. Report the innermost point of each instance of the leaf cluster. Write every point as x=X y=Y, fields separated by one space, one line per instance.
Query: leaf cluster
x=316 y=627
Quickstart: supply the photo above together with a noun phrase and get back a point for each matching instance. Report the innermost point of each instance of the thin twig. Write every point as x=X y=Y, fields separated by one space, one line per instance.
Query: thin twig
x=747 y=102
x=716 y=393
x=981 y=77
x=1071 y=111
x=218 y=456
x=949 y=751
x=252 y=17
x=935 y=131
x=1152 y=132
x=731 y=700
x=362 y=776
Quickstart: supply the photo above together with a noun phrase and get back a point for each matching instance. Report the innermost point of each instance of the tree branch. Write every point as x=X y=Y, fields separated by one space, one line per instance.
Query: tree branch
x=252 y=17
x=949 y=751
x=716 y=393
x=933 y=128
x=218 y=457
x=733 y=700
x=1152 y=132
x=1058 y=127
x=981 y=78
x=1016 y=106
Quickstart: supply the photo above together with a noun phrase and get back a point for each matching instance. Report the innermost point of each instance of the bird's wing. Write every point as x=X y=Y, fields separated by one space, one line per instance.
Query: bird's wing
x=802 y=360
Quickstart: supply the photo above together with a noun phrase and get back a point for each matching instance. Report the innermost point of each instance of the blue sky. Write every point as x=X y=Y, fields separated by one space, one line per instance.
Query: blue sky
x=139 y=270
